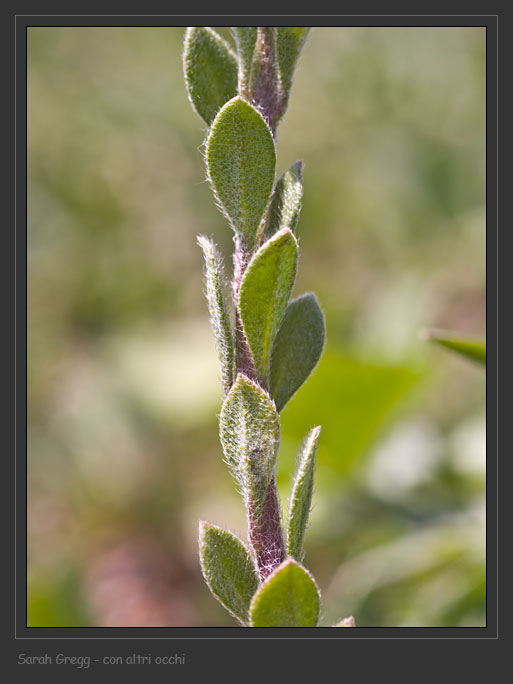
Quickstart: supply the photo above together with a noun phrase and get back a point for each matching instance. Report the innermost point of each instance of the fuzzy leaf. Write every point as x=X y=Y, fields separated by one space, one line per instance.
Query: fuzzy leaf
x=301 y=495
x=219 y=318
x=290 y=41
x=289 y=597
x=297 y=348
x=228 y=569
x=346 y=622
x=210 y=69
x=249 y=427
x=245 y=38
x=241 y=161
x=264 y=294
x=472 y=349
x=286 y=201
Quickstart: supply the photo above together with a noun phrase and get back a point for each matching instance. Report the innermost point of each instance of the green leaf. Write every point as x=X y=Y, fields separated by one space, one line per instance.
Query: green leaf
x=470 y=348
x=286 y=200
x=290 y=41
x=210 y=69
x=356 y=400
x=289 y=597
x=219 y=318
x=346 y=622
x=228 y=569
x=301 y=495
x=241 y=161
x=245 y=38
x=297 y=348
x=264 y=294
x=249 y=427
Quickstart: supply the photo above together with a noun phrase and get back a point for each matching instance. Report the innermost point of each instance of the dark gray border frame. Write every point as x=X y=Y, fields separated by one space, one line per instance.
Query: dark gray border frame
x=190 y=635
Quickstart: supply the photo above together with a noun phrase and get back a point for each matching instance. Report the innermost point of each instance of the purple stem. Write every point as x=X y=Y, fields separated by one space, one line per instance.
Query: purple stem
x=264 y=80
x=265 y=533
x=244 y=359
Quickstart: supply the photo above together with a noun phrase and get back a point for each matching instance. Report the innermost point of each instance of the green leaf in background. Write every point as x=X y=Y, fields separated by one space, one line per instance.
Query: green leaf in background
x=228 y=569
x=241 y=162
x=288 y=598
x=286 y=201
x=219 y=318
x=245 y=38
x=264 y=295
x=58 y=598
x=301 y=495
x=346 y=622
x=355 y=400
x=471 y=348
x=290 y=42
x=297 y=348
x=210 y=69
x=249 y=427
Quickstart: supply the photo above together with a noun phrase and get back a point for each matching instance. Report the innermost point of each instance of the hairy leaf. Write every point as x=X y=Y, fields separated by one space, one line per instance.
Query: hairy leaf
x=297 y=348
x=301 y=495
x=245 y=38
x=290 y=41
x=346 y=622
x=472 y=349
x=210 y=69
x=228 y=569
x=249 y=427
x=219 y=318
x=288 y=598
x=286 y=200
x=241 y=161
x=264 y=294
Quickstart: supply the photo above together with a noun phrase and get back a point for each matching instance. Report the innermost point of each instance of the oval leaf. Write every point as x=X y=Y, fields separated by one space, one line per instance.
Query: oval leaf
x=288 y=598
x=245 y=38
x=219 y=318
x=301 y=495
x=289 y=42
x=286 y=201
x=264 y=294
x=210 y=69
x=241 y=162
x=249 y=427
x=228 y=569
x=297 y=348
x=472 y=349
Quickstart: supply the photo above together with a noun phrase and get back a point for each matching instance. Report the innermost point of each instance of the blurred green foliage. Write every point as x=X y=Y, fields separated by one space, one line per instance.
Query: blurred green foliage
x=123 y=390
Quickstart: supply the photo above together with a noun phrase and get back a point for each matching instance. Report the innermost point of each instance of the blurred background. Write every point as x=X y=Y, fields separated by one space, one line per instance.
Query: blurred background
x=123 y=390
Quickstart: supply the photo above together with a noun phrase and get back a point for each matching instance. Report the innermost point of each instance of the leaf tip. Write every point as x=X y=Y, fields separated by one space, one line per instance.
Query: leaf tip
x=203 y=528
x=346 y=622
x=282 y=236
x=316 y=431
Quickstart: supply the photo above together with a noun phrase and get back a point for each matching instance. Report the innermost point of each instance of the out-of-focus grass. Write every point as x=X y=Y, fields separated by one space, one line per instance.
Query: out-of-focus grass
x=123 y=386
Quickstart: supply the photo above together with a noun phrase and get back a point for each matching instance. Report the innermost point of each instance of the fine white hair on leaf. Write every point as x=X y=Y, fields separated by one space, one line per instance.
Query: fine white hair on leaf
x=218 y=309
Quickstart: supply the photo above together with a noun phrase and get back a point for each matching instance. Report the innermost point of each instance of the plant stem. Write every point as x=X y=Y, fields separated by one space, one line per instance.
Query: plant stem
x=264 y=81
x=244 y=359
x=265 y=534
x=265 y=531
